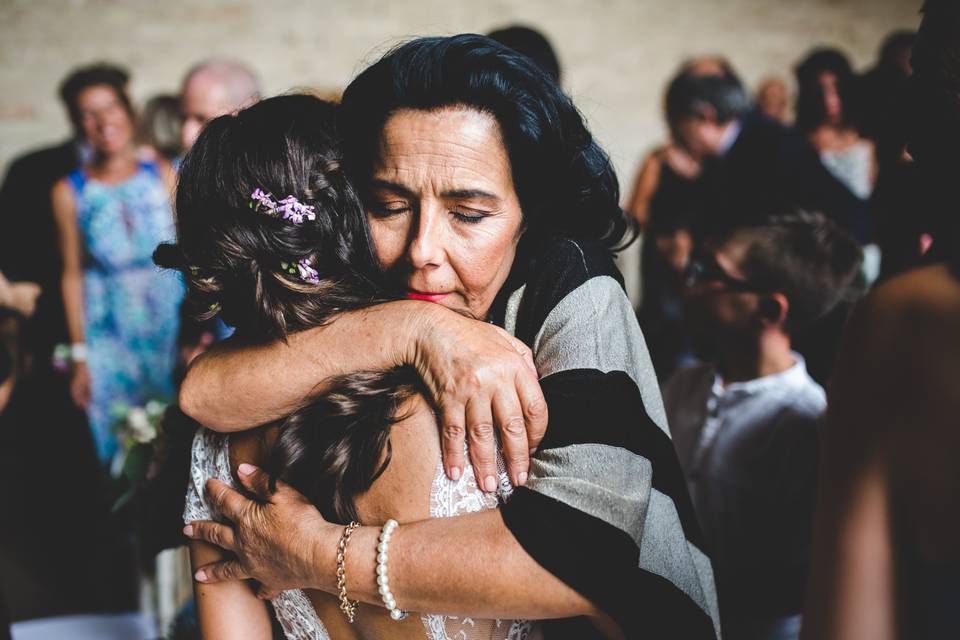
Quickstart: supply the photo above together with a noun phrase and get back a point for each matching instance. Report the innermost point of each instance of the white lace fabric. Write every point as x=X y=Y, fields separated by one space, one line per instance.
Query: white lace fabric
x=294 y=611
x=449 y=498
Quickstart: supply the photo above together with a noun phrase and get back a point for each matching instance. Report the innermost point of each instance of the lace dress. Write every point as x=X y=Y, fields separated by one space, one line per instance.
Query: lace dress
x=211 y=459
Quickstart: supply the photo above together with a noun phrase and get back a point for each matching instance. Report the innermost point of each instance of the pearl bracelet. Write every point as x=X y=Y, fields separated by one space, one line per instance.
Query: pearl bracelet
x=383 y=583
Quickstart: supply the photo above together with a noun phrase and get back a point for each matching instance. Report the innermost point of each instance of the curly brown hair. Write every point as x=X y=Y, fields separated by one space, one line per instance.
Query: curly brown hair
x=236 y=263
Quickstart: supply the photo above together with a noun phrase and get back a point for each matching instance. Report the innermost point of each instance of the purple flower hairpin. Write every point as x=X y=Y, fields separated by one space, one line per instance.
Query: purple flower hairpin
x=302 y=269
x=295 y=211
x=289 y=208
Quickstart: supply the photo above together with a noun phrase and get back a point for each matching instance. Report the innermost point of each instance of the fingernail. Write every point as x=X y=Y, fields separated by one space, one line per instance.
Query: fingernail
x=489 y=484
x=200 y=575
x=454 y=473
x=188 y=531
x=246 y=469
x=522 y=478
x=533 y=450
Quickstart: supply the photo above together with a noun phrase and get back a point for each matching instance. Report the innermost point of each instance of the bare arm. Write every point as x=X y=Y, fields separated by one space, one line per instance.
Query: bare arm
x=228 y=610
x=71 y=282
x=65 y=215
x=235 y=386
x=644 y=186
x=464 y=363
x=850 y=592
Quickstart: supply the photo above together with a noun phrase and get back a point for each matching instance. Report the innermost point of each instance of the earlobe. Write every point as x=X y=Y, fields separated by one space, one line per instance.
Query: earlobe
x=774 y=308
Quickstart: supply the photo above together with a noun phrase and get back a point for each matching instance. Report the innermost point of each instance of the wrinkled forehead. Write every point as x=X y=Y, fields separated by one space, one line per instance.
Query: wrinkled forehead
x=448 y=148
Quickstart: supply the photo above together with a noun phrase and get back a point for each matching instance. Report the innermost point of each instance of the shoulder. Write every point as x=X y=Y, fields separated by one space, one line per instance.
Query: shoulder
x=62 y=195
x=927 y=290
x=910 y=310
x=563 y=265
x=576 y=273
x=166 y=172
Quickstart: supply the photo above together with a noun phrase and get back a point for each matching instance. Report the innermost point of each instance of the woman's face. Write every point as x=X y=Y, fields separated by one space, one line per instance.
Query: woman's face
x=106 y=124
x=444 y=215
x=832 y=105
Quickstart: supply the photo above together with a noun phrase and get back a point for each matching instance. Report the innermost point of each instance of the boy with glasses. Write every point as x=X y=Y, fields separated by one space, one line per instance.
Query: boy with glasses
x=745 y=424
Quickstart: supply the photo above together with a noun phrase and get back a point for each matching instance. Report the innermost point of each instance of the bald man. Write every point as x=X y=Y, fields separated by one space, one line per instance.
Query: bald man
x=214 y=88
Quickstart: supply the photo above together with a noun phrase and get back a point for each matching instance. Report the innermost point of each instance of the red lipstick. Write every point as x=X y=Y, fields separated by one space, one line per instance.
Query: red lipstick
x=428 y=297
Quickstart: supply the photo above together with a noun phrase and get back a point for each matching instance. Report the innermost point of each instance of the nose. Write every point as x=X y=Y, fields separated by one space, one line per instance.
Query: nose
x=427 y=248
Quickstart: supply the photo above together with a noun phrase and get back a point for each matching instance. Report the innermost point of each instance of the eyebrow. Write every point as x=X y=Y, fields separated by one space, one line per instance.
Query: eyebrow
x=459 y=194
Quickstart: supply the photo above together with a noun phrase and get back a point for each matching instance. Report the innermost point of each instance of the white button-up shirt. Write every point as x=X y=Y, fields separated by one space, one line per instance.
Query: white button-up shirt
x=749 y=453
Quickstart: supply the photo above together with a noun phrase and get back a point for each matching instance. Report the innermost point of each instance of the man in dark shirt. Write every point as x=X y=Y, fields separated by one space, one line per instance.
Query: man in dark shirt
x=28 y=243
x=757 y=166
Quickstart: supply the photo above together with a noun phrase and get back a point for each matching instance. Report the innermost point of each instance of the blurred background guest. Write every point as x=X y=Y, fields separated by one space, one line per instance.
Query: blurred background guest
x=159 y=128
x=667 y=197
x=828 y=113
x=884 y=95
x=531 y=43
x=28 y=243
x=213 y=88
x=827 y=117
x=122 y=315
x=745 y=424
x=888 y=515
x=773 y=99
x=756 y=165
x=210 y=89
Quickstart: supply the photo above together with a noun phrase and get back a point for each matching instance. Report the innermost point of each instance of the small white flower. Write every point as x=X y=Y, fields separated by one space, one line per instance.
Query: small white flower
x=141 y=429
x=154 y=408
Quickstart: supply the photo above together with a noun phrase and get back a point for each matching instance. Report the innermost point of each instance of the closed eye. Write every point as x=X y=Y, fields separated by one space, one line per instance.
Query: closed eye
x=389 y=209
x=468 y=215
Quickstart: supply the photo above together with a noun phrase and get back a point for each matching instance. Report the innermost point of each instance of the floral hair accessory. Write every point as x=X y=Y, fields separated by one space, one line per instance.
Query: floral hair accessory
x=302 y=269
x=289 y=208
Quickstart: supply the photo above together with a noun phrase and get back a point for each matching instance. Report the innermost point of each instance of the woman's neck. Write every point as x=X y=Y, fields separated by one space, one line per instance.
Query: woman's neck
x=114 y=167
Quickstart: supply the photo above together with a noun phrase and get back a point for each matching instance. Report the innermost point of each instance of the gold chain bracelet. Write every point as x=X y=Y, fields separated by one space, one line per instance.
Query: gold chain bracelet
x=349 y=608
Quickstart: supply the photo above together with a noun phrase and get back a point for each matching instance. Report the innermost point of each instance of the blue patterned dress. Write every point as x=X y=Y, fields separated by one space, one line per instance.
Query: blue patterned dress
x=131 y=308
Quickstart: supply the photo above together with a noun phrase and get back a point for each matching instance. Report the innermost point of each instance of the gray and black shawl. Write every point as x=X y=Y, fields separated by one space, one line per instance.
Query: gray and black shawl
x=606 y=507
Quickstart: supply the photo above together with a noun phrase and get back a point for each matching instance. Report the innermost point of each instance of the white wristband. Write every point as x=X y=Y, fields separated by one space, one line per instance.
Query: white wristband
x=78 y=352
x=383 y=583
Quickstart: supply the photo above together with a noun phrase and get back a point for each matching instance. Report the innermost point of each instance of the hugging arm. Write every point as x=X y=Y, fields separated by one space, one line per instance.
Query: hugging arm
x=480 y=378
x=286 y=543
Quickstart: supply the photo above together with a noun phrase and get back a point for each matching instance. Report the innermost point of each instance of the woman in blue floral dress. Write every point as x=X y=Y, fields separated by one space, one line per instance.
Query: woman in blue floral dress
x=122 y=312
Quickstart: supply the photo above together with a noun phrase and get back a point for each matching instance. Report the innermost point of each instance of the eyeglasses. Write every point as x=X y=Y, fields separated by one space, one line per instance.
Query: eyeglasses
x=703 y=267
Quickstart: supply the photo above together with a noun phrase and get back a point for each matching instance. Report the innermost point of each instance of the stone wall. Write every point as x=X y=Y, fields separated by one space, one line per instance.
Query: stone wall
x=616 y=54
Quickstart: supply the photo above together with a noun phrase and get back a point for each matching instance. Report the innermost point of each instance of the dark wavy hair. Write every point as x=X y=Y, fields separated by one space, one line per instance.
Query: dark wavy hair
x=810 y=109
x=236 y=260
x=566 y=183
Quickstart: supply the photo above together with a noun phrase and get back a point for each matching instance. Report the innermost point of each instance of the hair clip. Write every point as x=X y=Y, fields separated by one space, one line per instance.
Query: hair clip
x=289 y=208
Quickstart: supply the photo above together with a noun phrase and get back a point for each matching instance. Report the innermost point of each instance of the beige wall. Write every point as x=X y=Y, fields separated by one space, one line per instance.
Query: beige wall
x=616 y=54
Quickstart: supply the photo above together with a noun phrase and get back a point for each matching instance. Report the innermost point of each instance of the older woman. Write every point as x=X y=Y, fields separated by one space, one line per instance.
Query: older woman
x=122 y=315
x=486 y=196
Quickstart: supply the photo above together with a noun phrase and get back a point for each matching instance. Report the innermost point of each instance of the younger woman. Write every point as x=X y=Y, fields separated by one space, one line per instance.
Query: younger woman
x=263 y=213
